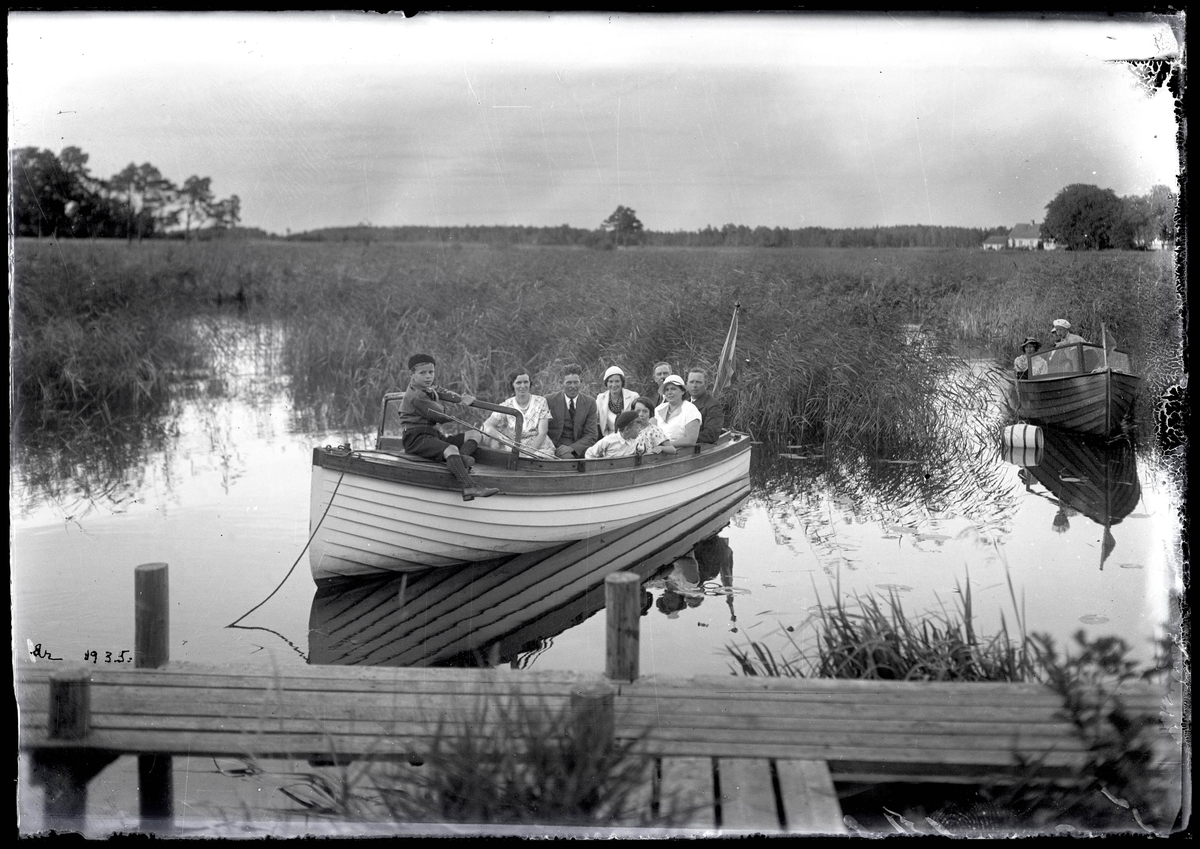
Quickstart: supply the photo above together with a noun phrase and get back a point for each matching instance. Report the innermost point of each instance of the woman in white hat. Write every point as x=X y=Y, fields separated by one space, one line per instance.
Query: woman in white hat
x=679 y=419
x=614 y=400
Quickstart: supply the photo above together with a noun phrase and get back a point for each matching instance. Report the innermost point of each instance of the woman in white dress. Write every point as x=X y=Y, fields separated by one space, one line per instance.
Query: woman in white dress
x=679 y=419
x=535 y=413
x=614 y=400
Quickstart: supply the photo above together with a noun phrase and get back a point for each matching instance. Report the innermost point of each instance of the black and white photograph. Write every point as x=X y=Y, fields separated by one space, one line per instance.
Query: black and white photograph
x=591 y=425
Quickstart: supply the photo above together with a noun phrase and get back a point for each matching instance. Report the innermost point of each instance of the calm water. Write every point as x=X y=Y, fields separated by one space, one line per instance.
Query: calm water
x=221 y=495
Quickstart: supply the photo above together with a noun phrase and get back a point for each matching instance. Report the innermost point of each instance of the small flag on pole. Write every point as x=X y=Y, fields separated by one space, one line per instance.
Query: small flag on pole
x=725 y=365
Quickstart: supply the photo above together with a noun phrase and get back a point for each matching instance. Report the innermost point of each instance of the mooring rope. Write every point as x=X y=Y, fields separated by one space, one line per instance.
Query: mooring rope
x=311 y=536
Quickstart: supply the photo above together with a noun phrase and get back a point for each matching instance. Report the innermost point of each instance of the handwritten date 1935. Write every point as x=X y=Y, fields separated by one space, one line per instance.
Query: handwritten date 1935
x=39 y=652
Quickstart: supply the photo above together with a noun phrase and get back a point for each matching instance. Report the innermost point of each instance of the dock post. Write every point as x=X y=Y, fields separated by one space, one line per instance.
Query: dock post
x=592 y=718
x=63 y=774
x=151 y=649
x=624 y=611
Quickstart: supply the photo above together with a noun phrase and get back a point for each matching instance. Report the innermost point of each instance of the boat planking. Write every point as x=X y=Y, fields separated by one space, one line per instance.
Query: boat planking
x=1080 y=387
x=381 y=511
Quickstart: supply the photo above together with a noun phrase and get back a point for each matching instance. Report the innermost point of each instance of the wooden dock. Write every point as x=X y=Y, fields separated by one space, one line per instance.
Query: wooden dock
x=751 y=754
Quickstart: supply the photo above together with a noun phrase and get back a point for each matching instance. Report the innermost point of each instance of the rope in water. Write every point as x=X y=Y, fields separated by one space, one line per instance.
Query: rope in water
x=311 y=536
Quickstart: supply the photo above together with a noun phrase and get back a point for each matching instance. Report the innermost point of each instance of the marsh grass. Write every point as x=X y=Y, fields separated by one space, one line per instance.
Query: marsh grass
x=823 y=353
x=515 y=762
x=875 y=640
x=1124 y=784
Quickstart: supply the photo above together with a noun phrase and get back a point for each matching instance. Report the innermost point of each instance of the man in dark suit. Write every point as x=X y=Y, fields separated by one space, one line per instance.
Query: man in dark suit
x=574 y=420
x=712 y=412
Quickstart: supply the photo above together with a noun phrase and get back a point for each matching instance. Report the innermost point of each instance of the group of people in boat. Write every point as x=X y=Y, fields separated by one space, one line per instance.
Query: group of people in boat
x=1027 y=366
x=567 y=424
x=571 y=424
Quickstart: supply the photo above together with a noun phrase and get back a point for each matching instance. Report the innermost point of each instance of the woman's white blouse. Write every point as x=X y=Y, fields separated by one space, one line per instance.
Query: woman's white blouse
x=675 y=426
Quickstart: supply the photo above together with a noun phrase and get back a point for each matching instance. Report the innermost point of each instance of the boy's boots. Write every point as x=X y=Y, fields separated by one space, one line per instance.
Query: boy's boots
x=470 y=491
x=467 y=452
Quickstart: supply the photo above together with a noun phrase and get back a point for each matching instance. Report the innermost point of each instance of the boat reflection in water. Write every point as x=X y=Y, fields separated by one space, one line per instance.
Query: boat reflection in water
x=1086 y=476
x=493 y=614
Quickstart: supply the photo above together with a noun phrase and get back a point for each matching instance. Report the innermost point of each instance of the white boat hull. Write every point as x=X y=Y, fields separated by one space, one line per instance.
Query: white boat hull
x=377 y=526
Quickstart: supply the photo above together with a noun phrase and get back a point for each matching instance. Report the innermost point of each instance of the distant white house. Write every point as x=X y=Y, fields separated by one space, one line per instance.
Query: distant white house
x=1025 y=237
x=1022 y=237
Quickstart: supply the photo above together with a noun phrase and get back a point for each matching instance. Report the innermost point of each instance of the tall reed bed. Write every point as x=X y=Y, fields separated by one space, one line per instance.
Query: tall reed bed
x=823 y=351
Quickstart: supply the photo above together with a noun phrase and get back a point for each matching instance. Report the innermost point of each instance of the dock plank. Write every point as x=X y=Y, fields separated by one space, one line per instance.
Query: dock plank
x=687 y=788
x=809 y=800
x=747 y=795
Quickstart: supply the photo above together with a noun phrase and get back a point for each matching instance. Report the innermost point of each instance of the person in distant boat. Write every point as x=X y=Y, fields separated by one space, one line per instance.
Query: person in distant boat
x=1068 y=360
x=661 y=370
x=620 y=443
x=614 y=400
x=421 y=412
x=574 y=420
x=1021 y=364
x=1061 y=331
x=500 y=428
x=712 y=411
x=651 y=439
x=679 y=419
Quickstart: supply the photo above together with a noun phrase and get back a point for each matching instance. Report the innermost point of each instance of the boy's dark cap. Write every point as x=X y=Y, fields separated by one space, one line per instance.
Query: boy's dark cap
x=626 y=419
x=416 y=359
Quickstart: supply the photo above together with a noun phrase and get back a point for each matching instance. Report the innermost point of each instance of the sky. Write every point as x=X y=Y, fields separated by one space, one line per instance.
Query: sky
x=783 y=119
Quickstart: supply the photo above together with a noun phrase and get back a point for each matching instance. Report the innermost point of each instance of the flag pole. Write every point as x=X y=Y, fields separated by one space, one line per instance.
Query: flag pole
x=725 y=365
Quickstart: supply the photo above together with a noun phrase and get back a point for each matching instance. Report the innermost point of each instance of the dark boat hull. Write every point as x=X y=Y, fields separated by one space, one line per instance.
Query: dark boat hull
x=1095 y=403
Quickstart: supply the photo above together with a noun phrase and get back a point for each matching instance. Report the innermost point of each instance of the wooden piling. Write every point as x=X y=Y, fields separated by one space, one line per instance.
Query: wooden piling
x=151 y=612
x=70 y=705
x=63 y=776
x=593 y=722
x=151 y=649
x=622 y=601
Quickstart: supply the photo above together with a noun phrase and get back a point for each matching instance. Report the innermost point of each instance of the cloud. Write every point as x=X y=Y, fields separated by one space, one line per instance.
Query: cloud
x=323 y=119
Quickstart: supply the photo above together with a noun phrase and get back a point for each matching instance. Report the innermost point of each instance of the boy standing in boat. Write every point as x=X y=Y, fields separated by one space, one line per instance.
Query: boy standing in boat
x=421 y=412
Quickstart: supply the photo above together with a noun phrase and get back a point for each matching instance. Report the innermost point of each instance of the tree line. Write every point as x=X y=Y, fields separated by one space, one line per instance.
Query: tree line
x=623 y=228
x=57 y=196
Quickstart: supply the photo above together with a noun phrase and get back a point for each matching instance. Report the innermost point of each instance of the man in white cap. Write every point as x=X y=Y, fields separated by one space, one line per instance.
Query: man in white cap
x=1061 y=331
x=1068 y=360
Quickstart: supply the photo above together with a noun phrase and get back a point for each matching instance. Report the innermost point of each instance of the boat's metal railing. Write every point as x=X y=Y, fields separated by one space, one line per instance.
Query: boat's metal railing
x=508 y=411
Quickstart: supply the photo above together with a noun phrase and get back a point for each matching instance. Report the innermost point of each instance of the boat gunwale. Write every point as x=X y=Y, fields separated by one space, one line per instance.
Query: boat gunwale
x=533 y=476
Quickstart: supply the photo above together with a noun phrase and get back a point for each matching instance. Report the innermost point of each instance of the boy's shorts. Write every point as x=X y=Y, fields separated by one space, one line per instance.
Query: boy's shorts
x=430 y=443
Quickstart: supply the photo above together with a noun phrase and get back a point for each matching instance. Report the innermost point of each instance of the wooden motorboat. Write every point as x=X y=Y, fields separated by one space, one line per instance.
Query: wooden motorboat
x=494 y=613
x=380 y=511
x=1080 y=387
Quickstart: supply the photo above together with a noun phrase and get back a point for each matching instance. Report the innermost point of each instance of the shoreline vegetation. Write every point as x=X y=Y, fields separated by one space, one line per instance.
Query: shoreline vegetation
x=826 y=349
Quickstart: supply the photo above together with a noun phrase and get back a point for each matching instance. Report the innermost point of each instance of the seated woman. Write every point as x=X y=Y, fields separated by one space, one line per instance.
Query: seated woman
x=1021 y=363
x=679 y=419
x=651 y=440
x=499 y=429
x=614 y=400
